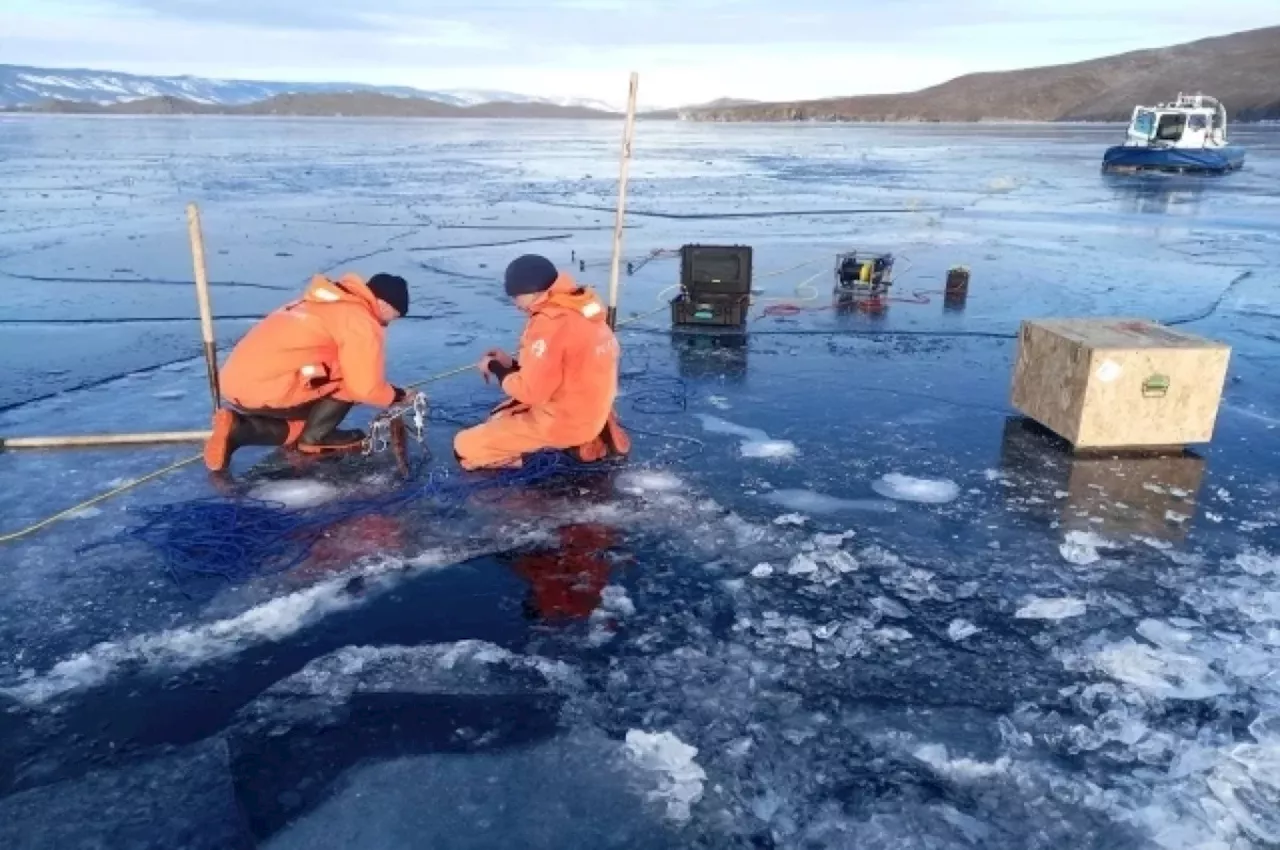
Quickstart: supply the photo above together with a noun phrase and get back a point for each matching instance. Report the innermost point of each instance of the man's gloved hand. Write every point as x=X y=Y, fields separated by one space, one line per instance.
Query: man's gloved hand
x=501 y=356
x=405 y=396
x=494 y=355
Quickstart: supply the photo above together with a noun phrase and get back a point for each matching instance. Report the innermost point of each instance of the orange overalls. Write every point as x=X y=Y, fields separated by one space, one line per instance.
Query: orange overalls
x=562 y=394
x=329 y=343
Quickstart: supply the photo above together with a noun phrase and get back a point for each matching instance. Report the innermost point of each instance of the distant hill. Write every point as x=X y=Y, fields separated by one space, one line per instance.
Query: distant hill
x=340 y=104
x=26 y=86
x=1241 y=70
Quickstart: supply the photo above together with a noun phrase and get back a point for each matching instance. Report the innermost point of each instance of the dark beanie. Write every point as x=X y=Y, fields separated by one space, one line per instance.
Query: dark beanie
x=529 y=275
x=391 y=289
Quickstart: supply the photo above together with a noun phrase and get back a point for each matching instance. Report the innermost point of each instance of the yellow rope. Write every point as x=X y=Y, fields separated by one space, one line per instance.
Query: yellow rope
x=137 y=482
x=31 y=529
x=102 y=497
x=441 y=376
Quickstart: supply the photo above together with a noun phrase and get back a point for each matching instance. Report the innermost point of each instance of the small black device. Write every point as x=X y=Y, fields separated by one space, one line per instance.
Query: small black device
x=863 y=272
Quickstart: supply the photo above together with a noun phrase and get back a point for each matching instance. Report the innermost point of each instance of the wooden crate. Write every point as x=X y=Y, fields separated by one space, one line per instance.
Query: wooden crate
x=1119 y=383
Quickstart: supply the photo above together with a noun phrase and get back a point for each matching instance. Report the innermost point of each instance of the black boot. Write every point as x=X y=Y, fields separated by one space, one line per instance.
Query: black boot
x=321 y=432
x=233 y=430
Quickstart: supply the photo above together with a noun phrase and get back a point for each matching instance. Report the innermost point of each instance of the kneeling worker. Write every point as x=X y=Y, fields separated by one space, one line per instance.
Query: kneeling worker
x=563 y=383
x=293 y=378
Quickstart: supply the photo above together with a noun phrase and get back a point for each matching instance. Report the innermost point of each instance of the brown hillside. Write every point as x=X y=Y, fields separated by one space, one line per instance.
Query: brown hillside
x=352 y=105
x=1242 y=70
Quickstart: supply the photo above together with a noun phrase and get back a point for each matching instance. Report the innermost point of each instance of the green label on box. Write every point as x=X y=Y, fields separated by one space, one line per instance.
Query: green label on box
x=1155 y=386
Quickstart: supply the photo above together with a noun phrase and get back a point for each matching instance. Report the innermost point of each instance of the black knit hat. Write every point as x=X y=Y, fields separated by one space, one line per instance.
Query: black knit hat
x=391 y=289
x=529 y=275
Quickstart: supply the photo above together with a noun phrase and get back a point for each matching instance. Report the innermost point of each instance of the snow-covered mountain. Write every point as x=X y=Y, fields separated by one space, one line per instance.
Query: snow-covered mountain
x=24 y=86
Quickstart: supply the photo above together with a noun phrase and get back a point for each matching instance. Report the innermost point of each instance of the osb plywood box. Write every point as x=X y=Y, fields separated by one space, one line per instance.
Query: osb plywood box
x=1119 y=383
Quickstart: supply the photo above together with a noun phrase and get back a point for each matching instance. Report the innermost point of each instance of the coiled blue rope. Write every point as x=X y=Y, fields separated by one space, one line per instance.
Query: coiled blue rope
x=239 y=538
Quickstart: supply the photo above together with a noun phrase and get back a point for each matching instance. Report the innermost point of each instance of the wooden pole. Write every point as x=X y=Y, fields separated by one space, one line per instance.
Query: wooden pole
x=103 y=440
x=202 y=297
x=628 y=134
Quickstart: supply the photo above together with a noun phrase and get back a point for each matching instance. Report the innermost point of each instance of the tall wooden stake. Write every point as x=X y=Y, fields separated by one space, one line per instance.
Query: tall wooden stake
x=627 y=134
x=202 y=297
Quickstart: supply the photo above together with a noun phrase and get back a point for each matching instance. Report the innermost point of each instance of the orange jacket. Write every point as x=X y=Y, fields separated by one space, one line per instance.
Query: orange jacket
x=329 y=342
x=568 y=375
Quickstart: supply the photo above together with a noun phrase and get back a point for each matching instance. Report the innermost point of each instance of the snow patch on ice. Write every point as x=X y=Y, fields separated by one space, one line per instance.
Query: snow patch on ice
x=813 y=502
x=641 y=481
x=1051 y=609
x=716 y=425
x=755 y=443
x=907 y=489
x=791 y=519
x=296 y=494
x=768 y=449
x=680 y=779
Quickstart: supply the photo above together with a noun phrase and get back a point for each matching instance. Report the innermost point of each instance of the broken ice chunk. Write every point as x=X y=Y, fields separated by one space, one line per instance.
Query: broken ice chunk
x=615 y=600
x=1160 y=672
x=841 y=561
x=1051 y=609
x=1257 y=563
x=1266 y=728
x=890 y=608
x=762 y=571
x=680 y=777
x=791 y=519
x=800 y=639
x=802 y=565
x=1081 y=547
x=961 y=629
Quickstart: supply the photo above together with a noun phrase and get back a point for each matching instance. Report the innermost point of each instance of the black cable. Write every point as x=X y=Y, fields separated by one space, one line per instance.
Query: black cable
x=739 y=215
x=1214 y=307
x=228 y=284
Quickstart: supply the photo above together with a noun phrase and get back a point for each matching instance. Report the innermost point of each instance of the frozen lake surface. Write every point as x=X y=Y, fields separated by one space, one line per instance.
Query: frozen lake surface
x=840 y=596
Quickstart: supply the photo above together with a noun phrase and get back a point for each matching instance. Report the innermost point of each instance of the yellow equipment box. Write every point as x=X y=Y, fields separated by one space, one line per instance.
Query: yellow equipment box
x=1119 y=383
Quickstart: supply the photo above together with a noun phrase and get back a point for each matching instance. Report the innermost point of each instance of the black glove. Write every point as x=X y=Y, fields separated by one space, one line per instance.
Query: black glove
x=499 y=371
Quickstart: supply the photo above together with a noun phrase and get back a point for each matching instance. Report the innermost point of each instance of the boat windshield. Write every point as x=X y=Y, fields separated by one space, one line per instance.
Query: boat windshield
x=1144 y=123
x=1171 y=126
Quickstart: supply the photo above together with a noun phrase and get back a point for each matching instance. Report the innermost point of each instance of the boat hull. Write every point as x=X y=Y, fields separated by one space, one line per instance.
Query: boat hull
x=1122 y=158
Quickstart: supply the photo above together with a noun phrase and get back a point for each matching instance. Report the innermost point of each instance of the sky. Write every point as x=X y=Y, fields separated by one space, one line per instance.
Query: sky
x=686 y=51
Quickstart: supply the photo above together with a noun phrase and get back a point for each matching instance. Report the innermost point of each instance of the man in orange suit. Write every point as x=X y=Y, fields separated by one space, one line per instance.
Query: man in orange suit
x=563 y=383
x=297 y=373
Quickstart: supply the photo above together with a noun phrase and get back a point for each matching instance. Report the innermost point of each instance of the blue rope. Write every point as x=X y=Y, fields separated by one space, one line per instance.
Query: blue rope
x=236 y=539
